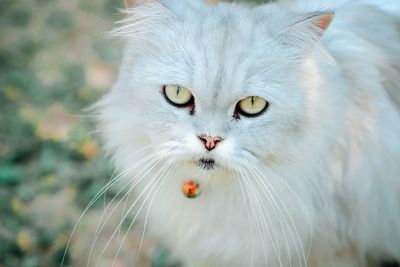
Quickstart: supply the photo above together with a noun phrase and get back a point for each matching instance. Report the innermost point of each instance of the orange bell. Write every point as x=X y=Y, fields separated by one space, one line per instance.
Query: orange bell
x=191 y=189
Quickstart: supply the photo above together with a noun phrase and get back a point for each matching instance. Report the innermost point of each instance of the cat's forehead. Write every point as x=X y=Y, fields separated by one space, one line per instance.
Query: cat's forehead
x=225 y=51
x=226 y=26
x=221 y=53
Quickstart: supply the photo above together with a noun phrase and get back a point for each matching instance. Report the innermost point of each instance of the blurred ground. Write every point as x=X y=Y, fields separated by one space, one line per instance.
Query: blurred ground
x=54 y=62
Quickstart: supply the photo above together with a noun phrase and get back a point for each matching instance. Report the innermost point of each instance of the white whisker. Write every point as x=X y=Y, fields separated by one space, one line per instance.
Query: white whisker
x=153 y=180
x=152 y=164
x=249 y=219
x=151 y=201
x=96 y=197
x=298 y=245
x=275 y=207
x=158 y=177
x=258 y=206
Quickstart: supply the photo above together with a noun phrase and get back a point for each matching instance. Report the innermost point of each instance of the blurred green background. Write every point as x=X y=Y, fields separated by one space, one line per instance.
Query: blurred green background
x=54 y=62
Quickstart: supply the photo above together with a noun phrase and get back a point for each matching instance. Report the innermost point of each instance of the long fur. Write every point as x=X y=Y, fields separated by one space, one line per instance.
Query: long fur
x=315 y=181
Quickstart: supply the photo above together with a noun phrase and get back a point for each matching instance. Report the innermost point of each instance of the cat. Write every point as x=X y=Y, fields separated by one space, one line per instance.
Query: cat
x=283 y=117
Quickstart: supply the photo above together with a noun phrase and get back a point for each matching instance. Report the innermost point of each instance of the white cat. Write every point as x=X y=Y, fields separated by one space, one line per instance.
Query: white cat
x=286 y=115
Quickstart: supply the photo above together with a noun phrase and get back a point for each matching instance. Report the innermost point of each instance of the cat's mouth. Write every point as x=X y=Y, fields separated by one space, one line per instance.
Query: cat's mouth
x=206 y=164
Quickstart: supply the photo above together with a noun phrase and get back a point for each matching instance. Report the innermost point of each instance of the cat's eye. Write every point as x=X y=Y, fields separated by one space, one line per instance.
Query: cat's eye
x=178 y=95
x=252 y=106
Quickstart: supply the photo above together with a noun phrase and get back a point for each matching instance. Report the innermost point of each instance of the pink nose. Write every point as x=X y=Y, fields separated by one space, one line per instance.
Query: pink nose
x=210 y=142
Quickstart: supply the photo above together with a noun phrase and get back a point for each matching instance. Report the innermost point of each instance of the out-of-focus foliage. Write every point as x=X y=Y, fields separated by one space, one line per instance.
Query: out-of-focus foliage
x=54 y=62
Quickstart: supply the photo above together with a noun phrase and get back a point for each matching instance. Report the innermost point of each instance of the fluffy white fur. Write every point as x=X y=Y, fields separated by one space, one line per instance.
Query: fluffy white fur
x=315 y=181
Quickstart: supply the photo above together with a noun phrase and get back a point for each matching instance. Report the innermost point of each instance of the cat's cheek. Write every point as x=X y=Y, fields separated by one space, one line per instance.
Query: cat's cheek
x=225 y=151
x=187 y=147
x=191 y=145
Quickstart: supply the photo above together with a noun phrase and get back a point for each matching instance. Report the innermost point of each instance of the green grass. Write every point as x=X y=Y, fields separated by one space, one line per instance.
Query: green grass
x=45 y=148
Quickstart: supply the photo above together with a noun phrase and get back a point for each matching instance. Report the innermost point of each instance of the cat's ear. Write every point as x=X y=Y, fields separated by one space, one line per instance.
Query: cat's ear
x=308 y=29
x=131 y=3
x=211 y=2
x=318 y=22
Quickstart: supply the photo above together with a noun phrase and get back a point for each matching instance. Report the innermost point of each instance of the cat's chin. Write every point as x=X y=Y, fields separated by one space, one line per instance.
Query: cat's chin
x=207 y=164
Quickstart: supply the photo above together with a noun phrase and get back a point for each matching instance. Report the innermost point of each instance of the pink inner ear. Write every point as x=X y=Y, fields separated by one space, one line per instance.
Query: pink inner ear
x=129 y=3
x=324 y=21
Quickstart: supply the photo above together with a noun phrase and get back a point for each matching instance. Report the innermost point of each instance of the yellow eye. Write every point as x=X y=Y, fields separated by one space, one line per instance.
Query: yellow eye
x=252 y=106
x=178 y=95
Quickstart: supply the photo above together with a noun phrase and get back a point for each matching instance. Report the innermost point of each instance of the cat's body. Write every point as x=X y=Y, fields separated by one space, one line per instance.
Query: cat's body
x=315 y=180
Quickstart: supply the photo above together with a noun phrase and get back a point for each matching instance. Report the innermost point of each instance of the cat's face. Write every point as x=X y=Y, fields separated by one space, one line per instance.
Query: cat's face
x=220 y=96
x=200 y=81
